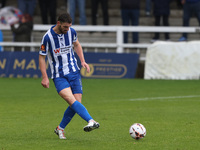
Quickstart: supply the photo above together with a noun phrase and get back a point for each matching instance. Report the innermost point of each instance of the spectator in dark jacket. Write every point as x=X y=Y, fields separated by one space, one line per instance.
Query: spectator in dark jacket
x=23 y=32
x=161 y=10
x=190 y=8
x=104 y=6
x=130 y=11
x=48 y=8
x=2 y=3
x=27 y=6
x=148 y=7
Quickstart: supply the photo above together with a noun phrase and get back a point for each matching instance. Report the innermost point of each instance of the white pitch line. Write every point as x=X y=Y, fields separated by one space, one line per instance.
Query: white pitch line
x=170 y=97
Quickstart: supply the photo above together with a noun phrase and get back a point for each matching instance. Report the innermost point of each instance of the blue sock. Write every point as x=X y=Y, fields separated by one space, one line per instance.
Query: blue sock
x=81 y=111
x=68 y=115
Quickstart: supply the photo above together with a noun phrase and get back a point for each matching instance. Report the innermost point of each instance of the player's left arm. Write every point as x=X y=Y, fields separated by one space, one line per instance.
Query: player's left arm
x=79 y=51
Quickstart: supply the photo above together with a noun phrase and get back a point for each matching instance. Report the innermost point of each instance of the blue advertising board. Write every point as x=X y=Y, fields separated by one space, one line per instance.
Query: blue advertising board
x=111 y=65
x=103 y=65
x=20 y=65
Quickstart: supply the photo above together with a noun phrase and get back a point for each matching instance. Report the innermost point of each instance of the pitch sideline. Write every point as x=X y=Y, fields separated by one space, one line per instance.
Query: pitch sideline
x=170 y=97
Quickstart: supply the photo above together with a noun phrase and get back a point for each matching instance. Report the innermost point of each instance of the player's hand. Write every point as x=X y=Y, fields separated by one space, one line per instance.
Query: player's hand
x=85 y=65
x=45 y=82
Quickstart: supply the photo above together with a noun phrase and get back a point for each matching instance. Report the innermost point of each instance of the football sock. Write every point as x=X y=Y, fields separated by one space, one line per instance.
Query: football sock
x=81 y=111
x=68 y=115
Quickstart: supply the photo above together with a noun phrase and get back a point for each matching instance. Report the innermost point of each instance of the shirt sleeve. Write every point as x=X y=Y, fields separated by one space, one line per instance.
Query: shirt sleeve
x=74 y=35
x=44 y=45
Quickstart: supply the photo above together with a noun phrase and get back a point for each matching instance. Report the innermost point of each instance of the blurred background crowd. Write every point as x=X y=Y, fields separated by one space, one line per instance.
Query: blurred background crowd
x=107 y=12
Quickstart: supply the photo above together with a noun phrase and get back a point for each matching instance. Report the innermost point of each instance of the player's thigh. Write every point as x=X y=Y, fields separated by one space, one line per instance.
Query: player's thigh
x=67 y=95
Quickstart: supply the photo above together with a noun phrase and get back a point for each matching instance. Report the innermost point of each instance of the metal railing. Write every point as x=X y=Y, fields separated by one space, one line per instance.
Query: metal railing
x=119 y=45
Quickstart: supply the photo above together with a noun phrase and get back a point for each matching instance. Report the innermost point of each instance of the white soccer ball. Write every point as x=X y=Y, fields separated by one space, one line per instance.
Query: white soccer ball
x=137 y=131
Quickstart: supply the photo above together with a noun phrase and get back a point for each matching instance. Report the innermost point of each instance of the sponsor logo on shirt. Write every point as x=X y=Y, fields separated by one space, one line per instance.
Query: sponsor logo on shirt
x=62 y=50
x=56 y=50
x=65 y=49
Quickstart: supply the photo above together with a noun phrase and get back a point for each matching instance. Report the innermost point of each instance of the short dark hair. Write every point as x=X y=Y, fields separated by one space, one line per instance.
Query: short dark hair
x=65 y=18
x=27 y=17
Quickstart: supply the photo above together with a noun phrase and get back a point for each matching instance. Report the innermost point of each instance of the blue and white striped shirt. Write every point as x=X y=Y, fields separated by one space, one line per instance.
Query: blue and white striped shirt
x=59 y=51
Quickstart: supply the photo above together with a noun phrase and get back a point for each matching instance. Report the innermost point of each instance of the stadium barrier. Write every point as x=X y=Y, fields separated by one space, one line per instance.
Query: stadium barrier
x=102 y=65
x=119 y=45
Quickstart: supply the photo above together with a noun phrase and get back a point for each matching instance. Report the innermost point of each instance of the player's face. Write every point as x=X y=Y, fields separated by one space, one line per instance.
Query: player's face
x=64 y=27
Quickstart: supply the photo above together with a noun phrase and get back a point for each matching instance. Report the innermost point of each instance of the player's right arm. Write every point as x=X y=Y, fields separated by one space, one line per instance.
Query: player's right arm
x=42 y=64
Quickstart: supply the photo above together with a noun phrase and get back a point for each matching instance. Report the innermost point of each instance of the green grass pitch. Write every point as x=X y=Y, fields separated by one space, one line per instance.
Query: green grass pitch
x=169 y=109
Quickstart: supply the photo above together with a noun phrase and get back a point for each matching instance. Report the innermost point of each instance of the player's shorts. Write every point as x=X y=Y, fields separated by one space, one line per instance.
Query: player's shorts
x=72 y=80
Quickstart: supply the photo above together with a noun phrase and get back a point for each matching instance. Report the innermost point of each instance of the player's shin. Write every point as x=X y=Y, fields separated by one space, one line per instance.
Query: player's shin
x=81 y=111
x=68 y=115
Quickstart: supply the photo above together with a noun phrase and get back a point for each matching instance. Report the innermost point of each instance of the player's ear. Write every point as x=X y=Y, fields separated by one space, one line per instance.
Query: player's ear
x=58 y=23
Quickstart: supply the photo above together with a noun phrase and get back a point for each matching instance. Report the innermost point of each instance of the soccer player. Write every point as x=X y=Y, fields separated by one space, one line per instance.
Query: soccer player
x=57 y=45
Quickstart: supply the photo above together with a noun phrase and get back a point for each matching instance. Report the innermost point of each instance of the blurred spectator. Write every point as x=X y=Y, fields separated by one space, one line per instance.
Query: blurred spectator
x=179 y=4
x=161 y=10
x=148 y=7
x=2 y=3
x=190 y=8
x=23 y=32
x=72 y=4
x=27 y=6
x=130 y=11
x=48 y=7
x=1 y=40
x=104 y=6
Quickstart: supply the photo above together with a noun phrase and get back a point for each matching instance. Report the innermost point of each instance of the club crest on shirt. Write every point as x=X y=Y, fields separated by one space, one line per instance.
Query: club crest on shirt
x=42 y=48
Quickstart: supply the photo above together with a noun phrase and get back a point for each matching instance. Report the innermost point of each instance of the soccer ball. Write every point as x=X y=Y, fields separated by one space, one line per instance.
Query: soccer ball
x=137 y=131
